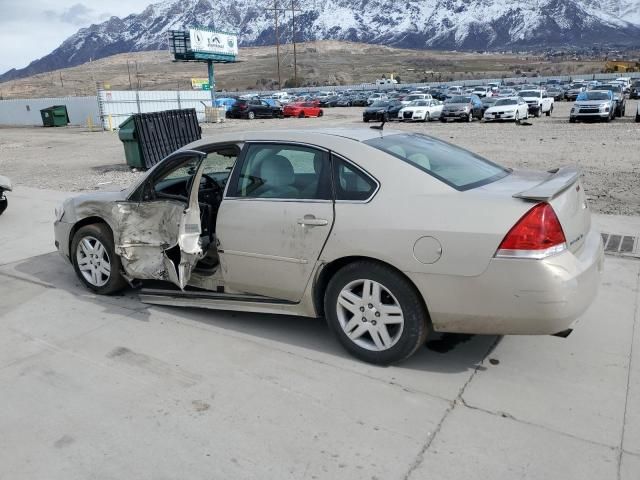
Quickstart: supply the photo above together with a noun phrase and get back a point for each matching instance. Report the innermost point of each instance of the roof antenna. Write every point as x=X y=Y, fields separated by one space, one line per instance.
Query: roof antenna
x=379 y=127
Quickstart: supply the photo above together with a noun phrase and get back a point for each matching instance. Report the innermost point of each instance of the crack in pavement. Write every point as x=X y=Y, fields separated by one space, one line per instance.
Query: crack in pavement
x=420 y=457
x=636 y=313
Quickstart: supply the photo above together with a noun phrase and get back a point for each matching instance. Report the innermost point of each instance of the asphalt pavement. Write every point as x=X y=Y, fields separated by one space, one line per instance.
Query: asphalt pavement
x=108 y=387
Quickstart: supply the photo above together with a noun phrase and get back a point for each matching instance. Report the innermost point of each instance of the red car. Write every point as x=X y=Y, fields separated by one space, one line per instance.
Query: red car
x=302 y=110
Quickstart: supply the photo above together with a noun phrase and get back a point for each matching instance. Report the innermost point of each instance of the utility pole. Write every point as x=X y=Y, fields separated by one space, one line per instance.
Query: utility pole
x=275 y=14
x=293 y=30
x=61 y=82
x=129 y=73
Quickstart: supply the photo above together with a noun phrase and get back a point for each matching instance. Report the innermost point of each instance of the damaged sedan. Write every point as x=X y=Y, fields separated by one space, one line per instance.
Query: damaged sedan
x=388 y=235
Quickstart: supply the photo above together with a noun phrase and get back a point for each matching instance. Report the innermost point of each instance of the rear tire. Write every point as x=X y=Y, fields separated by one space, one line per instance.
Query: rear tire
x=320 y=113
x=4 y=203
x=375 y=312
x=251 y=115
x=470 y=118
x=301 y=115
x=95 y=261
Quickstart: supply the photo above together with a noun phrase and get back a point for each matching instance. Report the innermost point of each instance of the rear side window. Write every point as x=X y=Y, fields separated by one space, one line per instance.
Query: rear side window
x=351 y=183
x=453 y=165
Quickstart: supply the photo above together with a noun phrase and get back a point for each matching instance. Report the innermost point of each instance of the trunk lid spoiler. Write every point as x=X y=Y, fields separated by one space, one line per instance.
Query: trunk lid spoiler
x=5 y=183
x=559 y=181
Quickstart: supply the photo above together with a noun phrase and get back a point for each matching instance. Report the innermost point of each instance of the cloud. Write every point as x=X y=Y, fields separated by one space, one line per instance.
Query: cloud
x=77 y=14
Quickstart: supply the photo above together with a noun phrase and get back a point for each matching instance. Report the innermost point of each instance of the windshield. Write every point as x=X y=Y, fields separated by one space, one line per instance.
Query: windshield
x=530 y=93
x=506 y=101
x=577 y=85
x=413 y=97
x=593 y=96
x=419 y=103
x=379 y=104
x=459 y=99
x=453 y=165
x=613 y=88
x=489 y=100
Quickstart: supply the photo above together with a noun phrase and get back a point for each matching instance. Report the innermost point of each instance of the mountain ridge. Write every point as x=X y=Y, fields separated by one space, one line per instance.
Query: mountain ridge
x=417 y=24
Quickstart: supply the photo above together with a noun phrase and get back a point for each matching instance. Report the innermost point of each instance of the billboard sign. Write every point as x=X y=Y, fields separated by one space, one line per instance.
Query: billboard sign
x=209 y=42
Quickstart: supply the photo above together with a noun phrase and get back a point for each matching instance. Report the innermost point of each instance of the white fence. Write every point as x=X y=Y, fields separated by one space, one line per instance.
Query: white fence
x=26 y=111
x=117 y=105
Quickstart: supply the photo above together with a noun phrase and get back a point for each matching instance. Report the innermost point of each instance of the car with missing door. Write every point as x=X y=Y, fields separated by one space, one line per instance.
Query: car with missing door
x=387 y=234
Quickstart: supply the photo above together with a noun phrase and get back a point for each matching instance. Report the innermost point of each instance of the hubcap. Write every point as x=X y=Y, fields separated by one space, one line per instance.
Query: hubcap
x=93 y=261
x=370 y=315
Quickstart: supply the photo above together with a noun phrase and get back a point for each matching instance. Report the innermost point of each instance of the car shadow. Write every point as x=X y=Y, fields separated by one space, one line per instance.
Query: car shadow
x=442 y=353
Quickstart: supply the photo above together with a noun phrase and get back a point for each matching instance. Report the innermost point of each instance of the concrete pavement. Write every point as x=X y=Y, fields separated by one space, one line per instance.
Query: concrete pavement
x=107 y=387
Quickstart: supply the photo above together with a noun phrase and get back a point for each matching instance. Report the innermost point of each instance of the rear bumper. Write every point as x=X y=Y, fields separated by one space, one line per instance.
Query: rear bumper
x=516 y=296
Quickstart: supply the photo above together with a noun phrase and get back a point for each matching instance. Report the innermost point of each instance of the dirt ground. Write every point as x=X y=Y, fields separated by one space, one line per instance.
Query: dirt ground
x=74 y=159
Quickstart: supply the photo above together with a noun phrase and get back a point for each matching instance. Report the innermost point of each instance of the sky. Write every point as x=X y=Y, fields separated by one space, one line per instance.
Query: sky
x=33 y=28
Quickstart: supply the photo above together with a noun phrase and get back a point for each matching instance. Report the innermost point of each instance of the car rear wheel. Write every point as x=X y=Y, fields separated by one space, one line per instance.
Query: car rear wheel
x=320 y=113
x=4 y=203
x=375 y=312
x=427 y=117
x=95 y=261
x=301 y=115
x=470 y=118
x=251 y=115
x=550 y=111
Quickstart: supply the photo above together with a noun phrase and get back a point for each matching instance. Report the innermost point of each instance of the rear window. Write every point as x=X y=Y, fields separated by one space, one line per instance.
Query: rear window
x=458 y=168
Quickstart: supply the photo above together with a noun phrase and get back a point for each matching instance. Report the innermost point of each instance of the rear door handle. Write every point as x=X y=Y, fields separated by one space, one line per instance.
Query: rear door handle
x=312 y=221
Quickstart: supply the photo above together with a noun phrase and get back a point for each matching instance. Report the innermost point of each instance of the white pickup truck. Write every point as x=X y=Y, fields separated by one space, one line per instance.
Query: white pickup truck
x=538 y=102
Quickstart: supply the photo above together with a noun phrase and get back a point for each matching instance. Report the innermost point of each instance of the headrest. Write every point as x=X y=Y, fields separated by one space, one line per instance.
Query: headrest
x=277 y=171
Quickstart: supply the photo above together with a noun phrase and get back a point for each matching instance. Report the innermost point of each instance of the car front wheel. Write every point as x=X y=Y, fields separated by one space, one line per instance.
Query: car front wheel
x=95 y=261
x=251 y=115
x=375 y=312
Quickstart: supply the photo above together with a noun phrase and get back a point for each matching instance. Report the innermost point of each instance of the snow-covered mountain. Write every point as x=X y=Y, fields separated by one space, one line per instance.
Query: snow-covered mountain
x=446 y=24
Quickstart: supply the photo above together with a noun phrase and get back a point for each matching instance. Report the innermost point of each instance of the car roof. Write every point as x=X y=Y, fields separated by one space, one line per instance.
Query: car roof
x=312 y=136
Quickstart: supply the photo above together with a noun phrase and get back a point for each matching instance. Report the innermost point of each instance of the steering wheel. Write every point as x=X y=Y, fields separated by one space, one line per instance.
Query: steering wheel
x=212 y=184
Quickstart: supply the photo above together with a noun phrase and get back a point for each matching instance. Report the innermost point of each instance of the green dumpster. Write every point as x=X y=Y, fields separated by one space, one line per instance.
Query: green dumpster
x=132 y=152
x=55 y=116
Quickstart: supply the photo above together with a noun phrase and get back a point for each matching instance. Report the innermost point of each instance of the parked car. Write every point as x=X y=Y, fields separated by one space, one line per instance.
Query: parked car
x=376 y=97
x=488 y=102
x=482 y=91
x=634 y=91
x=302 y=110
x=454 y=90
x=255 y=109
x=360 y=100
x=415 y=96
x=331 y=101
x=638 y=113
x=538 y=102
x=574 y=90
x=421 y=111
x=513 y=108
x=294 y=227
x=593 y=104
x=282 y=97
x=462 y=107
x=385 y=110
x=345 y=101
x=618 y=97
x=5 y=186
x=625 y=82
x=437 y=94
x=556 y=92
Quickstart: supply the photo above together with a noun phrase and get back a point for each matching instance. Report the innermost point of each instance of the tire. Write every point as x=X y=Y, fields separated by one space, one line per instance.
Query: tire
x=539 y=112
x=408 y=327
x=385 y=117
x=320 y=113
x=572 y=120
x=251 y=115
x=98 y=280
x=443 y=120
x=470 y=117
x=637 y=117
x=366 y=120
x=4 y=203
x=550 y=111
x=427 y=117
x=301 y=115
x=517 y=117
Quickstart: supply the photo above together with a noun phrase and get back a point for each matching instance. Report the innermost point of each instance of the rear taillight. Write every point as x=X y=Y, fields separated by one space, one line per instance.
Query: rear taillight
x=538 y=234
x=242 y=106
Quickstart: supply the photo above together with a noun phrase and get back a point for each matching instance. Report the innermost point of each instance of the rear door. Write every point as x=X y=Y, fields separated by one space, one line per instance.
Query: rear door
x=275 y=219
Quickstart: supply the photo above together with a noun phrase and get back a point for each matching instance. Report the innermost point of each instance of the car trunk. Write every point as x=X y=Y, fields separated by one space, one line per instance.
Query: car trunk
x=561 y=188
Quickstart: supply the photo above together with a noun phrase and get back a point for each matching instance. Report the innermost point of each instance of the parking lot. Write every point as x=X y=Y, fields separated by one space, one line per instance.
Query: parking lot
x=109 y=387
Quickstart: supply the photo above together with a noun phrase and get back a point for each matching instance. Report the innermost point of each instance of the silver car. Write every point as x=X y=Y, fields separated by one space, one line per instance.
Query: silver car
x=388 y=235
x=593 y=104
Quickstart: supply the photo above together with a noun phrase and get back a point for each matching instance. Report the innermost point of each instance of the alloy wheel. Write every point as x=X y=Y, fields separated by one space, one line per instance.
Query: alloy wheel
x=93 y=261
x=370 y=315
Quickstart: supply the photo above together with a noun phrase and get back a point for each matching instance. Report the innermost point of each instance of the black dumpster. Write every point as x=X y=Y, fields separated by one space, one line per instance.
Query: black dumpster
x=149 y=137
x=55 y=116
